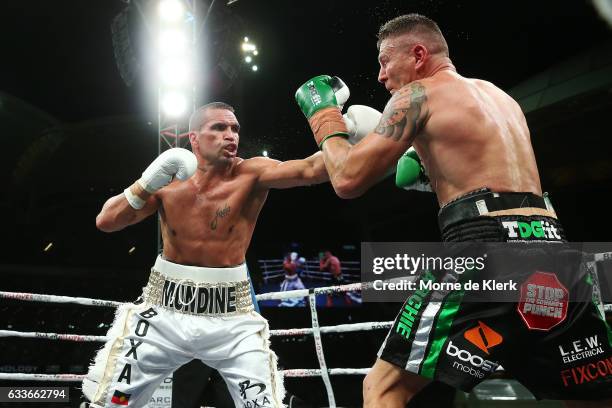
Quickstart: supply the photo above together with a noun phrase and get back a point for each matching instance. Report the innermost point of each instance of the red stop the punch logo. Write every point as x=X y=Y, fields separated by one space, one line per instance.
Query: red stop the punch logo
x=544 y=300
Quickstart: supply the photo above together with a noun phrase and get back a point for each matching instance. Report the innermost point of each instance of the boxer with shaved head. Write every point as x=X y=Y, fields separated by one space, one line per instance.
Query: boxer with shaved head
x=197 y=303
x=472 y=141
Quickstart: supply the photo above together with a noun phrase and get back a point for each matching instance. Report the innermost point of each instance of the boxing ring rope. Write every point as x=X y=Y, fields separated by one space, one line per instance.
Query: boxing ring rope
x=295 y=373
x=34 y=297
x=341 y=328
x=315 y=329
x=42 y=377
x=273 y=268
x=52 y=336
x=290 y=294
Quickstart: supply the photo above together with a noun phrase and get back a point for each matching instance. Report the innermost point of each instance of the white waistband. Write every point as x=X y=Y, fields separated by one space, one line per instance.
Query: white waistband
x=200 y=273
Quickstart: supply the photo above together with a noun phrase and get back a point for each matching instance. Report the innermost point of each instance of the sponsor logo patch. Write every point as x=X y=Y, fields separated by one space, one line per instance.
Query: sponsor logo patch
x=543 y=302
x=314 y=94
x=580 y=349
x=469 y=363
x=483 y=337
x=250 y=393
x=587 y=372
x=532 y=231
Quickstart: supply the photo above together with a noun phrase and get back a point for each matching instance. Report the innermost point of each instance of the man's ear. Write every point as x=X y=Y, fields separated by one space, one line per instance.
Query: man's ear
x=193 y=139
x=421 y=54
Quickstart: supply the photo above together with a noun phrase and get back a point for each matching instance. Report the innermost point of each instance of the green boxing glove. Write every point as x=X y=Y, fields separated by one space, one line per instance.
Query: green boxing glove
x=410 y=174
x=321 y=100
x=321 y=92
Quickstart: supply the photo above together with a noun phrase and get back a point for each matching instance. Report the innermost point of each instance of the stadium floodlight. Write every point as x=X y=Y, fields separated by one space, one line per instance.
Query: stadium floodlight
x=264 y=153
x=173 y=73
x=246 y=46
x=172 y=42
x=176 y=70
x=255 y=52
x=254 y=68
x=248 y=59
x=171 y=10
x=174 y=103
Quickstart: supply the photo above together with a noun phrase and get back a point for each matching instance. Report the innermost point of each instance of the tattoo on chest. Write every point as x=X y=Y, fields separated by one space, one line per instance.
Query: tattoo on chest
x=402 y=116
x=221 y=212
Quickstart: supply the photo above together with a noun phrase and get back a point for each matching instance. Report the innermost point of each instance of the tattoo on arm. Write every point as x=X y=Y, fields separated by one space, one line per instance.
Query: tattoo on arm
x=221 y=212
x=402 y=117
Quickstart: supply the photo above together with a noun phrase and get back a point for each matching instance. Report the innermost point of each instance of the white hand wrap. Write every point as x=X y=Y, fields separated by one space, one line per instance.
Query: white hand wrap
x=176 y=162
x=135 y=202
x=360 y=120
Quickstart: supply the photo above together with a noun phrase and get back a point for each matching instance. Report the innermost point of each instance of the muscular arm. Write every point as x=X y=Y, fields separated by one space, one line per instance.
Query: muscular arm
x=354 y=169
x=293 y=173
x=116 y=213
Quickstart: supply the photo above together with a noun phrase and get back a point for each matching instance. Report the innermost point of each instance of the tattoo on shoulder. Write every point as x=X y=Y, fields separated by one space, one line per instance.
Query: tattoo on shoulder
x=403 y=114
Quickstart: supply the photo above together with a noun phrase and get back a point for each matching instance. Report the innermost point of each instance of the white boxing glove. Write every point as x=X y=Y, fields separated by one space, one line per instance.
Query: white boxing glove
x=176 y=162
x=341 y=91
x=360 y=120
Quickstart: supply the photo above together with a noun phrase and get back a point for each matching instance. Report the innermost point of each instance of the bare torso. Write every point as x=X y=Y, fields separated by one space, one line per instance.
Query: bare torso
x=476 y=136
x=332 y=264
x=209 y=221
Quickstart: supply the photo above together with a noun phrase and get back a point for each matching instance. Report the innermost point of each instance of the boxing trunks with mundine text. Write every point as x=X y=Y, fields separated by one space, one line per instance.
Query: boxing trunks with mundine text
x=185 y=313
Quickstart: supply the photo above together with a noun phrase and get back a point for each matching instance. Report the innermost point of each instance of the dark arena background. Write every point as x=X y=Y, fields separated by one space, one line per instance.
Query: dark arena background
x=80 y=122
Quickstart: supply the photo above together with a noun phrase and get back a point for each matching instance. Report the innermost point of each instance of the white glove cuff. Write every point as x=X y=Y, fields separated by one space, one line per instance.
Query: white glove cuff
x=341 y=91
x=145 y=186
x=135 y=202
x=342 y=96
x=350 y=126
